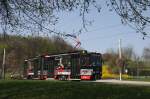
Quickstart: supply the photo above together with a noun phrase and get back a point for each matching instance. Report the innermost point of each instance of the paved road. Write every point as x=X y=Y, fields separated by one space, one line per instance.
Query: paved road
x=141 y=83
x=113 y=81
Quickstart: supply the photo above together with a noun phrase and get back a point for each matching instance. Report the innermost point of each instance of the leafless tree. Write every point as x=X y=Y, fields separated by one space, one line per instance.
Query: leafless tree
x=135 y=13
x=146 y=54
x=37 y=14
x=129 y=53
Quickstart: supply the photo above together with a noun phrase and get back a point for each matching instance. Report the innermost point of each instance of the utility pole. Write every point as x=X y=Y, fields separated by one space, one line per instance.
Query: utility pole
x=137 y=67
x=3 y=65
x=120 y=58
x=4 y=55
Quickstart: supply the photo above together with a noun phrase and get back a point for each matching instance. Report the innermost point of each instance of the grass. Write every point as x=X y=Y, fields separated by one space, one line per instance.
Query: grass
x=140 y=78
x=69 y=90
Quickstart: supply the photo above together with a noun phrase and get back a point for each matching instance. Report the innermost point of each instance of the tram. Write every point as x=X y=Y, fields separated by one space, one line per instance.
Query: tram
x=81 y=65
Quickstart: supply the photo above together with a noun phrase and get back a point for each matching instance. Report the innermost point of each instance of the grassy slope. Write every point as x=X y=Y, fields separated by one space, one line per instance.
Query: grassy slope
x=69 y=90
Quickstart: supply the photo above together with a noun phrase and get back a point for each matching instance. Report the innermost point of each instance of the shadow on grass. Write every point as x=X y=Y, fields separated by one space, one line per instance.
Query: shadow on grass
x=70 y=90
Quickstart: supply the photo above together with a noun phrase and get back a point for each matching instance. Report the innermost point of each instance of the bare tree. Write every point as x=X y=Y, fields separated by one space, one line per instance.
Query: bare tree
x=146 y=54
x=135 y=13
x=128 y=52
x=37 y=14
x=129 y=59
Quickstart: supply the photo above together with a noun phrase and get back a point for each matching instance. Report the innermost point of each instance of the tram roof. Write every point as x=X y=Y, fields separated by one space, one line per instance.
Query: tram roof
x=64 y=54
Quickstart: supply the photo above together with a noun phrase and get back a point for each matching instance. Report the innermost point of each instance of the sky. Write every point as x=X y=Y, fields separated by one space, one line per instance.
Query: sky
x=104 y=33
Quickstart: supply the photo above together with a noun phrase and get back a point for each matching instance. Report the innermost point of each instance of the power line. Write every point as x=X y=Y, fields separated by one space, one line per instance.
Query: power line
x=105 y=27
x=109 y=36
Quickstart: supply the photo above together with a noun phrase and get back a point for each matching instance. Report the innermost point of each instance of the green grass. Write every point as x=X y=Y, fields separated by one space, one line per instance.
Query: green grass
x=70 y=90
x=147 y=79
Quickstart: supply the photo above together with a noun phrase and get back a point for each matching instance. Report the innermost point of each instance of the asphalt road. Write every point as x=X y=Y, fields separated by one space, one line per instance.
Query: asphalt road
x=113 y=81
x=140 y=83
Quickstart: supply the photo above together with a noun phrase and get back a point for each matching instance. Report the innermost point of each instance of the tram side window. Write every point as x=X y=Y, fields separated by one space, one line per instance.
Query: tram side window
x=95 y=60
x=46 y=63
x=85 y=61
x=39 y=64
x=30 y=65
x=45 y=66
x=66 y=61
x=99 y=60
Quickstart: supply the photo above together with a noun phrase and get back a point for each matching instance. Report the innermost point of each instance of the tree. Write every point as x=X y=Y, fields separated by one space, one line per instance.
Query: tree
x=22 y=14
x=129 y=59
x=37 y=14
x=146 y=54
x=129 y=53
x=110 y=57
x=19 y=48
x=135 y=13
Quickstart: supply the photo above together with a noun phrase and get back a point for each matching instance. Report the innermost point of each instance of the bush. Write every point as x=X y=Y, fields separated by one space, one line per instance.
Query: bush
x=107 y=74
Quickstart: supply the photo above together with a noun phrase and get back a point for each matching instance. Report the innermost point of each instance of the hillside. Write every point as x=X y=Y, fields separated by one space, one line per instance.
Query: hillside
x=19 y=48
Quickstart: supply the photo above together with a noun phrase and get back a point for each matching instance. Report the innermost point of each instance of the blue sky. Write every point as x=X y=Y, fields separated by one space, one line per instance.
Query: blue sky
x=104 y=33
